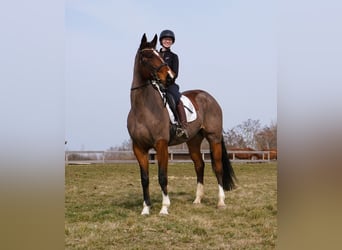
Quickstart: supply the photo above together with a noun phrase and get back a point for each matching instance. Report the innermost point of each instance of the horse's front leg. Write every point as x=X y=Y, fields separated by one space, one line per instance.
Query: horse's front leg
x=142 y=157
x=163 y=157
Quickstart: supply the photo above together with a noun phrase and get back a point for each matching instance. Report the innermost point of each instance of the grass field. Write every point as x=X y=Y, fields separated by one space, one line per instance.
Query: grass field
x=103 y=205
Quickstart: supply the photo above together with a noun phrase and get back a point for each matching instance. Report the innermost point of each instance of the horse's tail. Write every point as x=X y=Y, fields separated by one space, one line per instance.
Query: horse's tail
x=229 y=177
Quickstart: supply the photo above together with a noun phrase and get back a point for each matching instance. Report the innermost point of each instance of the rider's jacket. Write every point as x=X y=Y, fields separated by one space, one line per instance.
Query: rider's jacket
x=172 y=60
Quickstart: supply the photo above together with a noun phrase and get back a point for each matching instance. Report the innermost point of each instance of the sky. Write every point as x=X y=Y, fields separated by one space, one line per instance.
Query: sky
x=227 y=48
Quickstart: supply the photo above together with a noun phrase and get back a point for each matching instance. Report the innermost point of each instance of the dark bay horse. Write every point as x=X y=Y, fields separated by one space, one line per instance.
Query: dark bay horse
x=149 y=126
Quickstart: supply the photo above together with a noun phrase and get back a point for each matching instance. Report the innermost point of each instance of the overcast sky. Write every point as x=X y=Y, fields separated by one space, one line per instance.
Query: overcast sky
x=227 y=48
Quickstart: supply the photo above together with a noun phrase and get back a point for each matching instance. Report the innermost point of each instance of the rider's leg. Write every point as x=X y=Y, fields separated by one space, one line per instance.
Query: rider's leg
x=173 y=89
x=182 y=120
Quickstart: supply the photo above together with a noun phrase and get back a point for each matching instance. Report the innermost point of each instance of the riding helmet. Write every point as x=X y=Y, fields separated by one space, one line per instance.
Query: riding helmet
x=167 y=33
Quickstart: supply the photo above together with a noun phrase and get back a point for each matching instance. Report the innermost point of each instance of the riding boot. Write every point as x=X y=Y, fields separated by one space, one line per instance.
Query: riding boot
x=182 y=131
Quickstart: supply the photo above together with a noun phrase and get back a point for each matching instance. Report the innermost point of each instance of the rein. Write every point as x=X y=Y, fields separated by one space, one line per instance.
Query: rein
x=157 y=85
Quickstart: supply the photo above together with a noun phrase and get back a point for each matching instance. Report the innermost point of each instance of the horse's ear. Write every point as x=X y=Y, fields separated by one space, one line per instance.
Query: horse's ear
x=154 y=41
x=143 y=40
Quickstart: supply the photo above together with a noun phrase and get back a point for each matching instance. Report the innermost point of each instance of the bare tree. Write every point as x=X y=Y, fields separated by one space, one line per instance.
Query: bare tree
x=267 y=137
x=243 y=135
x=125 y=146
x=248 y=130
x=233 y=138
x=249 y=134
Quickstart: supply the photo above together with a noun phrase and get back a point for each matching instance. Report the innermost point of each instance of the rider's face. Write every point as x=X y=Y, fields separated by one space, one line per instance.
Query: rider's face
x=167 y=42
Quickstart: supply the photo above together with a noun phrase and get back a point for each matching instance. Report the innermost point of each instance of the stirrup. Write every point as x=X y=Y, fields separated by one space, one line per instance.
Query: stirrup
x=180 y=132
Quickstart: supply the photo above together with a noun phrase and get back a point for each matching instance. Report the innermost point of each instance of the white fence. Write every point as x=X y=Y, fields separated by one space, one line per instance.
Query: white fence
x=88 y=157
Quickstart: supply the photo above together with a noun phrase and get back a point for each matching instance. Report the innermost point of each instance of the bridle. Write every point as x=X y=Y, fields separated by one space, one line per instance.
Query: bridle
x=154 y=70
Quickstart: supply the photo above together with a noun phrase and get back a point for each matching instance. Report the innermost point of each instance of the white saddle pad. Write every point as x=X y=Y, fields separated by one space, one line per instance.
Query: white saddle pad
x=189 y=108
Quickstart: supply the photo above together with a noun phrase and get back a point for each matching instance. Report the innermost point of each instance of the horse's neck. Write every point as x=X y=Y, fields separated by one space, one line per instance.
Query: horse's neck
x=143 y=95
x=138 y=81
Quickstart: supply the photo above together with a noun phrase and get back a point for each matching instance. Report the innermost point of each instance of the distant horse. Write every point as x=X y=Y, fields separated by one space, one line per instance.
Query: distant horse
x=273 y=153
x=149 y=127
x=244 y=156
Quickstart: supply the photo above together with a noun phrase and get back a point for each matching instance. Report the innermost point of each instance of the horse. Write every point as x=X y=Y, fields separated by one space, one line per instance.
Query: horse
x=244 y=156
x=149 y=127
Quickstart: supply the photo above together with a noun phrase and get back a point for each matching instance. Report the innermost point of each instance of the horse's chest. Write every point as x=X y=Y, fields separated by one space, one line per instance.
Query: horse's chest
x=146 y=124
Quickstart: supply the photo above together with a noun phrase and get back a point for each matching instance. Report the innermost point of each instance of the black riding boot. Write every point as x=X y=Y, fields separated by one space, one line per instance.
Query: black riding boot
x=182 y=131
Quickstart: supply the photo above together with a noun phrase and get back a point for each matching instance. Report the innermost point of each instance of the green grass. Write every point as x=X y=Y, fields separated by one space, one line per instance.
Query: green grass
x=103 y=205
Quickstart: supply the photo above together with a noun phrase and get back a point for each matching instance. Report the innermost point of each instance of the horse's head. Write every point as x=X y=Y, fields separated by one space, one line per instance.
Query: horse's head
x=151 y=64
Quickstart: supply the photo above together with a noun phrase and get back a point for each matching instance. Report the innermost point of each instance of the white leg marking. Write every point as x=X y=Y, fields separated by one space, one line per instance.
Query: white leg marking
x=165 y=205
x=199 y=193
x=146 y=209
x=221 y=197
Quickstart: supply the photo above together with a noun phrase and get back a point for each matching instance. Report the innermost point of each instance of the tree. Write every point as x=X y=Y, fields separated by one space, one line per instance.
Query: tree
x=248 y=130
x=233 y=138
x=125 y=146
x=243 y=135
x=250 y=134
x=267 y=137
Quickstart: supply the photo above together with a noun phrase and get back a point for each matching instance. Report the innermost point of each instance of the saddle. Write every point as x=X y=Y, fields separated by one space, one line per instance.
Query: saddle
x=189 y=108
x=170 y=104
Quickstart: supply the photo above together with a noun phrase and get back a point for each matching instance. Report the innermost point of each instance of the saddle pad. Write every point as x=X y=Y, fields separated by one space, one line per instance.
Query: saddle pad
x=190 y=111
x=189 y=108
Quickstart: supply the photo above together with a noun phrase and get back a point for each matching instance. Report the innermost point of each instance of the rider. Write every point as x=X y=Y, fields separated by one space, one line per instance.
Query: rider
x=167 y=39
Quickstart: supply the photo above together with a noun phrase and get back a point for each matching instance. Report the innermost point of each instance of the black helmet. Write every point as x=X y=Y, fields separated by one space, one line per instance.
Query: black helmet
x=167 y=33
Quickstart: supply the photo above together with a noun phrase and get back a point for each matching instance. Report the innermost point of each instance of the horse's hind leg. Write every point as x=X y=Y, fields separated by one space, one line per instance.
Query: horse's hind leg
x=216 y=159
x=142 y=157
x=194 y=146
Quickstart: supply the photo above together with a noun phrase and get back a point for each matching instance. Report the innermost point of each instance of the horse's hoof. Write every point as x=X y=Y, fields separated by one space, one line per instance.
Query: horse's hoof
x=145 y=211
x=196 y=202
x=197 y=205
x=164 y=211
x=221 y=206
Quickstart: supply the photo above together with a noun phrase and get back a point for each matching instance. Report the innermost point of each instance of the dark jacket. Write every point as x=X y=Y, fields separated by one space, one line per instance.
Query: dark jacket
x=172 y=60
